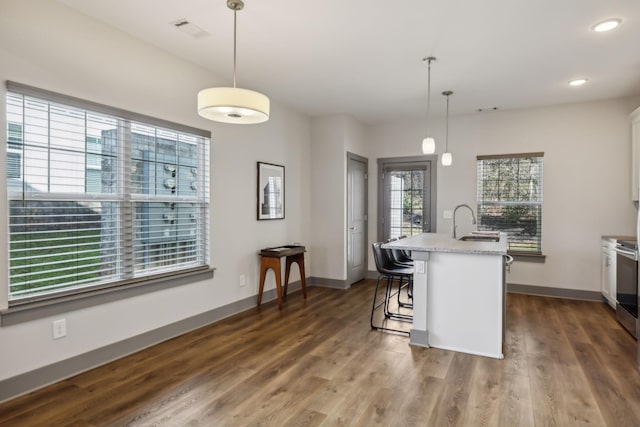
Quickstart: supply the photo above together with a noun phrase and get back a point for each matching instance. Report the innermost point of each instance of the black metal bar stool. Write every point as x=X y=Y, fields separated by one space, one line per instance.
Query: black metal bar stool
x=392 y=272
x=401 y=260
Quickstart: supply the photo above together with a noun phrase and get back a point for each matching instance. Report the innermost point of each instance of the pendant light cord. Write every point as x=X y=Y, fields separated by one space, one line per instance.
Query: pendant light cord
x=447 y=128
x=428 y=60
x=428 y=94
x=235 y=13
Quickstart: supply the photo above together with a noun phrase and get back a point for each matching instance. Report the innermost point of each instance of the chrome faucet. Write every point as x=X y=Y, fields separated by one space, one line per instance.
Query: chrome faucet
x=453 y=224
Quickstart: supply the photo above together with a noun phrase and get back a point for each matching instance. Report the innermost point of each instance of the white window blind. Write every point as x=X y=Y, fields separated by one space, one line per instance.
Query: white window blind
x=103 y=197
x=510 y=198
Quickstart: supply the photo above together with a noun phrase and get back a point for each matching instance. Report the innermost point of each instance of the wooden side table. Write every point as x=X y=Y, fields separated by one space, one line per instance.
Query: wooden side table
x=270 y=259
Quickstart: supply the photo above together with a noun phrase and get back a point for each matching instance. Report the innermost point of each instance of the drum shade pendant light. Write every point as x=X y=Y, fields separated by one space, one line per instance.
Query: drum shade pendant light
x=232 y=104
x=447 y=158
x=428 y=143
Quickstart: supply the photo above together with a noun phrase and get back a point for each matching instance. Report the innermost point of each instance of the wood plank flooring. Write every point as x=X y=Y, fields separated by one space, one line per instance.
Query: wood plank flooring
x=317 y=363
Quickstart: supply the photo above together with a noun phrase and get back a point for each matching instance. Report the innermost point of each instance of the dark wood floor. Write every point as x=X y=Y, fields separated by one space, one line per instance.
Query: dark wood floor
x=318 y=363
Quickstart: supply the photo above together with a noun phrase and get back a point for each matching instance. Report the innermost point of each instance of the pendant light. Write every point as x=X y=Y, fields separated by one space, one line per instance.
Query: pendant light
x=428 y=143
x=447 y=158
x=232 y=104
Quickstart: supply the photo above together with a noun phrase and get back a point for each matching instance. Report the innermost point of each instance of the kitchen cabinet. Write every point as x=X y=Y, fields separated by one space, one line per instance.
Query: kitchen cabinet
x=635 y=154
x=609 y=271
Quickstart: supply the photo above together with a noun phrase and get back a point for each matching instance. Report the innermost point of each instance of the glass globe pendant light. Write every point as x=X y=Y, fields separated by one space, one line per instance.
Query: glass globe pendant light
x=447 y=158
x=233 y=104
x=428 y=143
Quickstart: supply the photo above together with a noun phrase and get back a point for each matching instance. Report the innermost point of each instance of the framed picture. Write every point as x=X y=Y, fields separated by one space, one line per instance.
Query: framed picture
x=270 y=191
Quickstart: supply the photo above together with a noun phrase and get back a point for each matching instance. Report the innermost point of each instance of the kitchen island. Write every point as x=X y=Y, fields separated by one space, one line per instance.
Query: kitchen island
x=458 y=293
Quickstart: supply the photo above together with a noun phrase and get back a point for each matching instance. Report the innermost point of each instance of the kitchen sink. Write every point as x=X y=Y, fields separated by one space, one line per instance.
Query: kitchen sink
x=479 y=238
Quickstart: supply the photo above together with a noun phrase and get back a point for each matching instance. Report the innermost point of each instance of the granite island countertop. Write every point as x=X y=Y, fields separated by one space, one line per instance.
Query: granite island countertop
x=618 y=237
x=442 y=242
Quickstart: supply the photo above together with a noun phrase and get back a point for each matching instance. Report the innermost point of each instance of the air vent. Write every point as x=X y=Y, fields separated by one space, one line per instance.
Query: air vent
x=189 y=28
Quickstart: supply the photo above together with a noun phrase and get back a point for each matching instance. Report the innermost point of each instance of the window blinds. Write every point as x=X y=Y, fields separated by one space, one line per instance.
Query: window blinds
x=99 y=197
x=510 y=198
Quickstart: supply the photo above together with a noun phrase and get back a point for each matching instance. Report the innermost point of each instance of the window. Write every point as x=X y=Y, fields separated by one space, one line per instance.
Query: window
x=510 y=199
x=102 y=197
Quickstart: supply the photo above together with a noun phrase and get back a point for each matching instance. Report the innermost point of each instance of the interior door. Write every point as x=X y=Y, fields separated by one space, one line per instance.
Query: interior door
x=356 y=218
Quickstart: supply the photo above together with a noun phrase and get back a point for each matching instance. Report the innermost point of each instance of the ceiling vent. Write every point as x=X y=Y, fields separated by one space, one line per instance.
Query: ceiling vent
x=189 y=28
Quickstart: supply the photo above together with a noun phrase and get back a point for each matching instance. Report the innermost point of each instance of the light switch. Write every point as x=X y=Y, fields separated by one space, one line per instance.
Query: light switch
x=419 y=266
x=447 y=214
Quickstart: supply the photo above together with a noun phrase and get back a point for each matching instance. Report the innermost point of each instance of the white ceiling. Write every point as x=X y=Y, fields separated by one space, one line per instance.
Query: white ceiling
x=364 y=57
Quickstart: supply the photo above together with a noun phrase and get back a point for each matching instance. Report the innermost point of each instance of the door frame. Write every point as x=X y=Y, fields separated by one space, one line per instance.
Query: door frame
x=353 y=156
x=432 y=161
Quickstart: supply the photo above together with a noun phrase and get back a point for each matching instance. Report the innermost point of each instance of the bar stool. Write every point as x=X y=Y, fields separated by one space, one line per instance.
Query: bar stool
x=393 y=273
x=401 y=260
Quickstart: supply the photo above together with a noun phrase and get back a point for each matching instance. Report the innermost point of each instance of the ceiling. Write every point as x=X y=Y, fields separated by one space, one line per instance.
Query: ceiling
x=364 y=57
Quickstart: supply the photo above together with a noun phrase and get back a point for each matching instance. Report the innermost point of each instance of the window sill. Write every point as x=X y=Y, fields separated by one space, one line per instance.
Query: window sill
x=528 y=257
x=26 y=312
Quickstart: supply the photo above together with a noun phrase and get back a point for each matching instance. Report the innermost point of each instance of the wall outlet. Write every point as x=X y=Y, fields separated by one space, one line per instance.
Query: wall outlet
x=59 y=328
x=243 y=280
x=447 y=214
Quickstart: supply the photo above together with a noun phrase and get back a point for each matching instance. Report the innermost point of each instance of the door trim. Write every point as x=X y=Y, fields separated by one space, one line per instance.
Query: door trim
x=353 y=156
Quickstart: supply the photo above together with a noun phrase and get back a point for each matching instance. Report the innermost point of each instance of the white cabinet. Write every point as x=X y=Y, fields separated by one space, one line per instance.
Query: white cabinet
x=609 y=271
x=635 y=154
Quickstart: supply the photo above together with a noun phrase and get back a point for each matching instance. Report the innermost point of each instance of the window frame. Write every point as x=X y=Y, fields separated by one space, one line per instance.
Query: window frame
x=44 y=305
x=521 y=254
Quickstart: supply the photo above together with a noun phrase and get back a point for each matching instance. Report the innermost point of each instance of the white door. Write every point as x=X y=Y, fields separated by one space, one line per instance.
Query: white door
x=356 y=218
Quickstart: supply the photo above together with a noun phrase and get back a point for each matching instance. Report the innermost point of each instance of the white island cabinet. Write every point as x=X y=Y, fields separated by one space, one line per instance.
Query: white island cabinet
x=458 y=293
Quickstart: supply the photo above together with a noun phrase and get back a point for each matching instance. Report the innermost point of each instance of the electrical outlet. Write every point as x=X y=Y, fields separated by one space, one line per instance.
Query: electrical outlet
x=447 y=214
x=59 y=328
x=243 y=280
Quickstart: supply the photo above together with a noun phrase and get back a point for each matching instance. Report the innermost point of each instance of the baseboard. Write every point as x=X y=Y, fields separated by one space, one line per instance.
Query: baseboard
x=329 y=283
x=339 y=284
x=578 y=294
x=13 y=387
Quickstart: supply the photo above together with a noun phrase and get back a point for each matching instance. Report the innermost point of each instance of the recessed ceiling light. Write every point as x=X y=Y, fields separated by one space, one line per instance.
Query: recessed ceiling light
x=607 y=25
x=577 y=82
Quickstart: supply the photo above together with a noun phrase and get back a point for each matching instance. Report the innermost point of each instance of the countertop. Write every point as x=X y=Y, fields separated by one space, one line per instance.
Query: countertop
x=616 y=238
x=442 y=242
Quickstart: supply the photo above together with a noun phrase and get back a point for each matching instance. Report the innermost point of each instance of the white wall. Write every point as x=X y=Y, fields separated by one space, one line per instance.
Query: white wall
x=327 y=197
x=587 y=180
x=46 y=45
x=332 y=137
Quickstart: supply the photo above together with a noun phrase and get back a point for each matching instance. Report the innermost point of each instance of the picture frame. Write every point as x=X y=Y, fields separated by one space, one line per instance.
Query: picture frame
x=270 y=191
